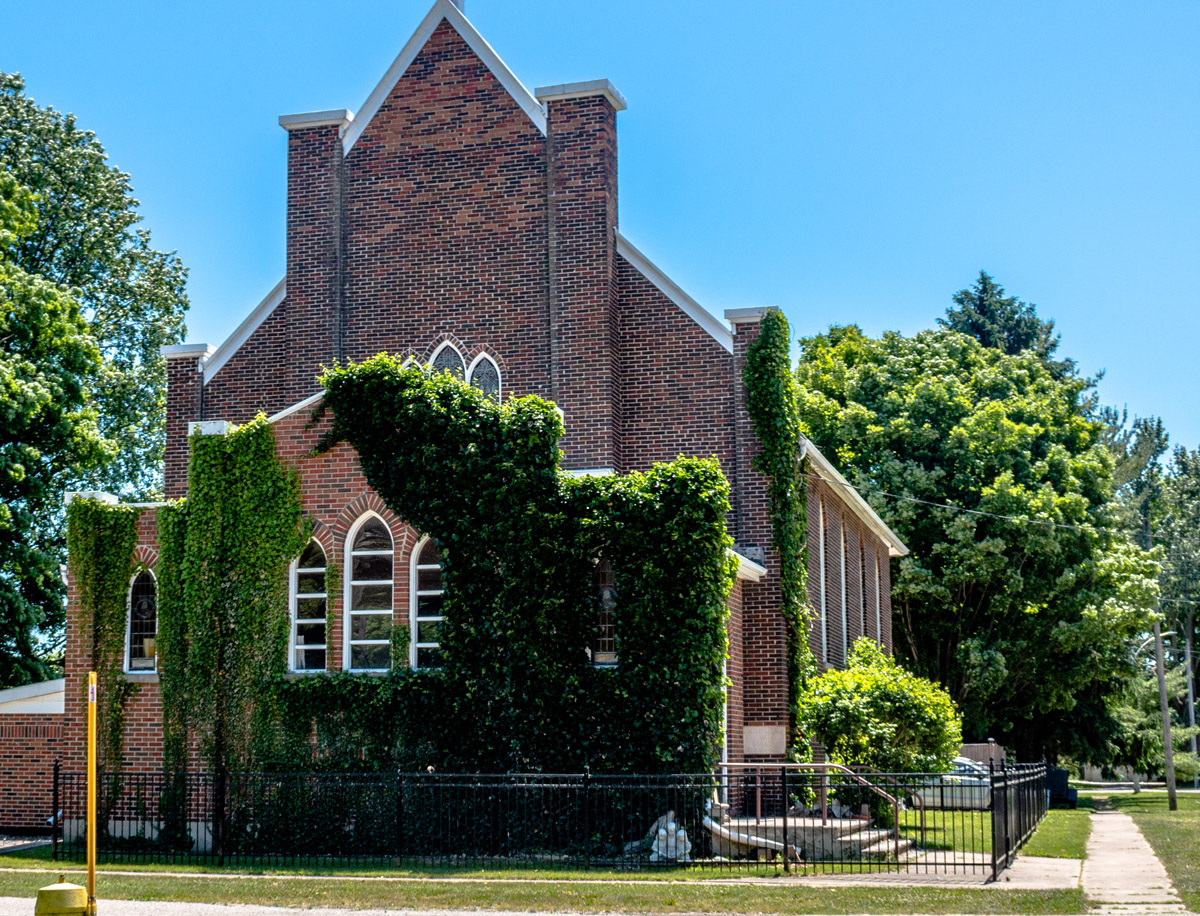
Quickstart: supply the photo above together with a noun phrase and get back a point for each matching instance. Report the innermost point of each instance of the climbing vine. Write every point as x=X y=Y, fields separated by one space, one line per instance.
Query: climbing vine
x=100 y=540
x=520 y=541
x=223 y=601
x=771 y=401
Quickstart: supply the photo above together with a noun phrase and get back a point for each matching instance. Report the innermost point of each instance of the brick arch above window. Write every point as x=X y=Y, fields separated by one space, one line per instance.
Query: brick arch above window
x=145 y=557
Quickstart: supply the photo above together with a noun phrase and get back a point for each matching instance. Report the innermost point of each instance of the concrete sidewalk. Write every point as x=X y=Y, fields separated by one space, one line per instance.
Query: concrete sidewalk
x=1121 y=873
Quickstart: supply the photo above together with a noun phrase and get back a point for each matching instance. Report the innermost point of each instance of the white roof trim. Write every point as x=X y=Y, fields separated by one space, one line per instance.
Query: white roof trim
x=582 y=90
x=98 y=495
x=339 y=117
x=443 y=9
x=233 y=343
x=748 y=569
x=693 y=309
x=296 y=408
x=179 y=351
x=854 y=500
x=30 y=691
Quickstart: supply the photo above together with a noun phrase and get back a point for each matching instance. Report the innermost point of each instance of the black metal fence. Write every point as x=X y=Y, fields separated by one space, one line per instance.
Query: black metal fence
x=791 y=817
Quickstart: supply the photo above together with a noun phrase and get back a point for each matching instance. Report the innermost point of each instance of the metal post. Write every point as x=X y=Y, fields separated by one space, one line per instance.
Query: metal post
x=992 y=808
x=1168 y=744
x=787 y=862
x=54 y=819
x=91 y=799
x=587 y=818
x=1191 y=677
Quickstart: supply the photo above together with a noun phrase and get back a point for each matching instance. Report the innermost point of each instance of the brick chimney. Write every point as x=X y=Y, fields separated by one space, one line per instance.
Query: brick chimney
x=581 y=143
x=185 y=391
x=314 y=306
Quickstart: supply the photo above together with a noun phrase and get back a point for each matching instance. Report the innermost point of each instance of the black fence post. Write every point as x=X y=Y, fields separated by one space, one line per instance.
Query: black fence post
x=787 y=861
x=587 y=818
x=992 y=795
x=54 y=819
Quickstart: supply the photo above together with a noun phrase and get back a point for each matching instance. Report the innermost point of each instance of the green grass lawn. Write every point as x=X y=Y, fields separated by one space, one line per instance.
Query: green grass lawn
x=960 y=831
x=575 y=896
x=1174 y=835
x=1063 y=834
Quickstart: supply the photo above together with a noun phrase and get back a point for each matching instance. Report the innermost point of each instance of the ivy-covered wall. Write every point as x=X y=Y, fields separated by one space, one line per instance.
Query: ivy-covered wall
x=772 y=405
x=520 y=541
x=101 y=538
x=223 y=597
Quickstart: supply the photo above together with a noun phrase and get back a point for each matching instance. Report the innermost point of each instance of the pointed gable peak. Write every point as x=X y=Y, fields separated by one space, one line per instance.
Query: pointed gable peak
x=448 y=11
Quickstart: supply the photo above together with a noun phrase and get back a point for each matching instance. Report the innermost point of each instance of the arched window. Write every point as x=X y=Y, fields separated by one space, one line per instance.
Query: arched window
x=309 y=603
x=143 y=623
x=486 y=377
x=604 y=641
x=448 y=359
x=369 y=596
x=427 y=595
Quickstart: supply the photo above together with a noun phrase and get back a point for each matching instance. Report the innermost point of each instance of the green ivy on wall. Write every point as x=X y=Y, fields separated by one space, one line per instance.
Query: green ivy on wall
x=100 y=541
x=520 y=541
x=771 y=402
x=223 y=597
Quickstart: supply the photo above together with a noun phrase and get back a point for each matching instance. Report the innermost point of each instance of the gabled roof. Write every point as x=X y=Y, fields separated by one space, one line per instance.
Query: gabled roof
x=443 y=9
x=669 y=288
x=219 y=357
x=849 y=493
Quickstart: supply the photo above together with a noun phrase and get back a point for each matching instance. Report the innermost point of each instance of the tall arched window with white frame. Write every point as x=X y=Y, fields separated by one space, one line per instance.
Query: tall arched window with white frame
x=368 y=628
x=448 y=359
x=141 y=629
x=426 y=601
x=309 y=606
x=485 y=375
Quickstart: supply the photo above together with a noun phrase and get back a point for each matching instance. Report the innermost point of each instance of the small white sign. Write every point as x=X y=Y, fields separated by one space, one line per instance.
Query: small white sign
x=91 y=693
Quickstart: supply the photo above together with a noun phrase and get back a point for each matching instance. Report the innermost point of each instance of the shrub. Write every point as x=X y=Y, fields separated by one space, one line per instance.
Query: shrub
x=876 y=714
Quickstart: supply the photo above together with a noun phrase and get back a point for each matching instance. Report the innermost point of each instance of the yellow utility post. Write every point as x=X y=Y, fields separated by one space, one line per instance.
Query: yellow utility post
x=91 y=790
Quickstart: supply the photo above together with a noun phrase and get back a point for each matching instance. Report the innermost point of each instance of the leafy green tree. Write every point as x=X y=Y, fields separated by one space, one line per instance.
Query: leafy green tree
x=1021 y=598
x=876 y=714
x=48 y=432
x=1140 y=742
x=1004 y=323
x=87 y=239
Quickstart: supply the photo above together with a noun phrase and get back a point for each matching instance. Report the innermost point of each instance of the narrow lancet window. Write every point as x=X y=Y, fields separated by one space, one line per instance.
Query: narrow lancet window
x=143 y=623
x=309 y=603
x=369 y=598
x=428 y=595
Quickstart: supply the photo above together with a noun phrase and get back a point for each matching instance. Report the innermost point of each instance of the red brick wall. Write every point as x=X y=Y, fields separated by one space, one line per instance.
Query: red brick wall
x=29 y=743
x=735 y=720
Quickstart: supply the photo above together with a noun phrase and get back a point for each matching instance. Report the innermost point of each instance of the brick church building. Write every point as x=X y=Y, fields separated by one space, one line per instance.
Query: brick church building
x=461 y=220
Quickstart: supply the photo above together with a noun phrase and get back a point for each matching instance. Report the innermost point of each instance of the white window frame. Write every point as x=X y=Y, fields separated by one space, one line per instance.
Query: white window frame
x=348 y=593
x=878 y=603
x=457 y=352
x=485 y=358
x=845 y=620
x=415 y=568
x=129 y=622
x=824 y=589
x=294 y=587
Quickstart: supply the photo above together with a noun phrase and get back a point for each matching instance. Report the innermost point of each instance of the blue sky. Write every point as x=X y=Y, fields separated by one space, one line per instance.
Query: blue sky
x=848 y=162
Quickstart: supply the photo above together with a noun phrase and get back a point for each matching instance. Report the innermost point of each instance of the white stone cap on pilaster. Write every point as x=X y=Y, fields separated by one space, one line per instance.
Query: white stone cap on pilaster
x=187 y=351
x=581 y=90
x=98 y=495
x=748 y=316
x=209 y=427
x=334 y=117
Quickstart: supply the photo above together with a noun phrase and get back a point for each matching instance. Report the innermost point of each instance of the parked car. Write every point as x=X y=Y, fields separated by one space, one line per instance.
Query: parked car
x=967 y=786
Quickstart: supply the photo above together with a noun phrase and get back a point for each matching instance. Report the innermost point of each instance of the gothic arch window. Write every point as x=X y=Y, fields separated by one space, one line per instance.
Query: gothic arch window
x=309 y=604
x=142 y=630
x=448 y=359
x=428 y=594
x=485 y=376
x=368 y=600
x=604 y=640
